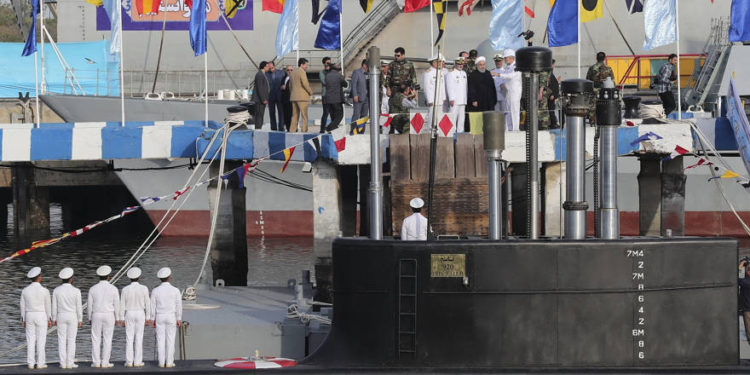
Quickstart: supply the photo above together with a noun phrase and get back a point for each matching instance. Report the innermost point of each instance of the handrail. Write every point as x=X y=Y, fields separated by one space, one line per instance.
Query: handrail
x=368 y=28
x=637 y=60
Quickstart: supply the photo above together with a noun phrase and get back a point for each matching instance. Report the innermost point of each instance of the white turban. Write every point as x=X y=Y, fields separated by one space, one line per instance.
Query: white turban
x=480 y=59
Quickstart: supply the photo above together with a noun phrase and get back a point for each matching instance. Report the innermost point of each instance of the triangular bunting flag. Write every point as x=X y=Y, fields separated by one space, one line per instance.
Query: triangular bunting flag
x=678 y=151
x=389 y=119
x=315 y=144
x=287 y=157
x=700 y=162
x=650 y=136
x=358 y=127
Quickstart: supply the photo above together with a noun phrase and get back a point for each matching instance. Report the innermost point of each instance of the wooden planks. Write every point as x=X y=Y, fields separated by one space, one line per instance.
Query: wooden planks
x=420 y=157
x=400 y=158
x=480 y=157
x=444 y=161
x=465 y=164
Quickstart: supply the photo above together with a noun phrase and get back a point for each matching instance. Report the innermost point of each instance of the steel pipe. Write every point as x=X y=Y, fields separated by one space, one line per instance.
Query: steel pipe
x=577 y=94
x=531 y=61
x=608 y=118
x=494 y=144
x=375 y=202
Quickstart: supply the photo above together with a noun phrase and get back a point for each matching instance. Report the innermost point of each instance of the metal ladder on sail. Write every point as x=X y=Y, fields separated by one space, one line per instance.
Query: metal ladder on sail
x=407 y=309
x=717 y=47
x=376 y=20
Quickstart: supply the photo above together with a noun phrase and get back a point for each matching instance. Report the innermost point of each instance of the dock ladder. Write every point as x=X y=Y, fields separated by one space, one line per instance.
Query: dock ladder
x=407 y=309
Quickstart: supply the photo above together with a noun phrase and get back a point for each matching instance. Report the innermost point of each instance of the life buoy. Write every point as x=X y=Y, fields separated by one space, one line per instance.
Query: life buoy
x=246 y=363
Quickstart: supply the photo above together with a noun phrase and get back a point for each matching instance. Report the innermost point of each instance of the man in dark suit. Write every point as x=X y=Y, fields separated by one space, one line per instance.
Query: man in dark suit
x=359 y=92
x=275 y=105
x=286 y=103
x=260 y=93
x=334 y=98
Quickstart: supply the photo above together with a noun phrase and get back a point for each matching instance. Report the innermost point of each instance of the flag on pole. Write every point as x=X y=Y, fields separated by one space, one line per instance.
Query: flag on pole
x=97 y=3
x=634 y=6
x=561 y=24
x=366 y=5
x=115 y=39
x=739 y=30
x=198 y=27
x=660 y=19
x=466 y=5
x=316 y=13
x=591 y=10
x=287 y=157
x=329 y=33
x=287 y=34
x=506 y=23
x=529 y=10
x=30 y=46
x=413 y=5
x=276 y=6
x=440 y=8
x=147 y=7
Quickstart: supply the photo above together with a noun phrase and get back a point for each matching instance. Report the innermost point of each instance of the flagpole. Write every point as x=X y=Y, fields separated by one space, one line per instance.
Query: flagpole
x=432 y=33
x=578 y=24
x=122 y=63
x=41 y=30
x=677 y=26
x=341 y=39
x=296 y=62
x=205 y=83
x=36 y=87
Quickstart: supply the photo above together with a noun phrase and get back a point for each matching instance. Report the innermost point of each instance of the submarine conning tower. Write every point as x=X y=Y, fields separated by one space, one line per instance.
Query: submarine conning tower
x=571 y=302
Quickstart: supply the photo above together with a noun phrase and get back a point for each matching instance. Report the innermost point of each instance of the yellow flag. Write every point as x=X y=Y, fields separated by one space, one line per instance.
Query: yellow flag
x=95 y=2
x=590 y=9
x=287 y=157
x=729 y=174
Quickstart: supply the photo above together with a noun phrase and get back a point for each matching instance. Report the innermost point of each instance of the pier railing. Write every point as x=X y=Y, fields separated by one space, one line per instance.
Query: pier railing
x=638 y=71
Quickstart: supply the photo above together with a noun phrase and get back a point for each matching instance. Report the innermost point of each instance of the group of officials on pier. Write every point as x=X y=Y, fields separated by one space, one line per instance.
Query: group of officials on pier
x=106 y=308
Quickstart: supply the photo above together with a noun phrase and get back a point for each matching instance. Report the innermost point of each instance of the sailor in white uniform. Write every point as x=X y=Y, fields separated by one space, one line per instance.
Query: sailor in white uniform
x=67 y=315
x=499 y=87
x=103 y=304
x=166 y=313
x=36 y=314
x=136 y=306
x=455 y=85
x=414 y=227
x=513 y=88
x=428 y=83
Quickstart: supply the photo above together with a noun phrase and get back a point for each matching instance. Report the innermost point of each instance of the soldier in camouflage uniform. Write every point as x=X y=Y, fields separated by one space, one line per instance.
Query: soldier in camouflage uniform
x=544 y=93
x=471 y=64
x=400 y=102
x=598 y=73
x=400 y=72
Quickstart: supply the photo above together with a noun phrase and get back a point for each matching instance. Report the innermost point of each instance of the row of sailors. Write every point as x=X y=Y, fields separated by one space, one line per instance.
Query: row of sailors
x=454 y=96
x=106 y=308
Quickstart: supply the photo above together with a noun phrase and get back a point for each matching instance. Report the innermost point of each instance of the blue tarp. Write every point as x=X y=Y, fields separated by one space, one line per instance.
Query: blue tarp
x=96 y=70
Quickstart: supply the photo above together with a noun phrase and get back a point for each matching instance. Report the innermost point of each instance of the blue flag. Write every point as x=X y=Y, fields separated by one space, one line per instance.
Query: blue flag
x=562 y=25
x=634 y=6
x=198 y=27
x=329 y=34
x=110 y=6
x=660 y=19
x=506 y=23
x=739 y=31
x=287 y=34
x=30 y=46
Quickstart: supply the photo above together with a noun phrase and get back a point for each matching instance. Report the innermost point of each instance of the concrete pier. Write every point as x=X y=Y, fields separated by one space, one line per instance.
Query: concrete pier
x=649 y=196
x=30 y=204
x=553 y=178
x=673 y=197
x=229 y=248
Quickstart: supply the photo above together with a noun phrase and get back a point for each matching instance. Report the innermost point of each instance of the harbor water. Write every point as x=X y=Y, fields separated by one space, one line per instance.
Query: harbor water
x=271 y=262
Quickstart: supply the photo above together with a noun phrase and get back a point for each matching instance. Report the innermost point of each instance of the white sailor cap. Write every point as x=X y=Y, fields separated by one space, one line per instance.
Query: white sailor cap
x=438 y=57
x=498 y=57
x=103 y=271
x=66 y=273
x=416 y=203
x=164 y=273
x=134 y=273
x=509 y=53
x=34 y=272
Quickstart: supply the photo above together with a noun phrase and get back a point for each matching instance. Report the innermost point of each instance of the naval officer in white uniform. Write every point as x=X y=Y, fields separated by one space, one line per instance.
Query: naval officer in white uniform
x=166 y=313
x=36 y=315
x=103 y=305
x=414 y=227
x=513 y=89
x=455 y=85
x=136 y=306
x=67 y=315
x=428 y=82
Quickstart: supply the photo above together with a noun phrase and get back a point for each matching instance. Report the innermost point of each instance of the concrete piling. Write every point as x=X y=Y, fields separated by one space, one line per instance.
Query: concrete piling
x=229 y=247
